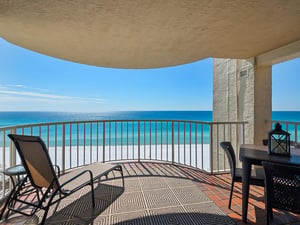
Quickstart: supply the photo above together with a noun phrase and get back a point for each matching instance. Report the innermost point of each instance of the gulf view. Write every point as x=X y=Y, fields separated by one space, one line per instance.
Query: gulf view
x=149 y=112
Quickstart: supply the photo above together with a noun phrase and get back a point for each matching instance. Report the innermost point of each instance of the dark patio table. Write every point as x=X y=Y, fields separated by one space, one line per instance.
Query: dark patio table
x=254 y=155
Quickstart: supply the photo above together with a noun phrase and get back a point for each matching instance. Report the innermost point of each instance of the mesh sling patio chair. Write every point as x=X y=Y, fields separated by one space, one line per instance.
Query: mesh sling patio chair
x=282 y=188
x=46 y=184
x=257 y=174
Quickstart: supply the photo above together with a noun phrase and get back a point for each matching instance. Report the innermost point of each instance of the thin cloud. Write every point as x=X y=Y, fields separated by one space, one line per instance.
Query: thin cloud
x=30 y=88
x=9 y=93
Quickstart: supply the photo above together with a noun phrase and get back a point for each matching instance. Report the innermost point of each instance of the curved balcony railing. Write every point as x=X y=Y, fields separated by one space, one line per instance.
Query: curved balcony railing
x=74 y=144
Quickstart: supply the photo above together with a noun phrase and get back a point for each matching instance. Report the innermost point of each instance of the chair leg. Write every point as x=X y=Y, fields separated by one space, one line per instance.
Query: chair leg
x=230 y=197
x=12 y=196
x=93 y=195
x=45 y=215
x=121 y=171
x=267 y=217
x=6 y=203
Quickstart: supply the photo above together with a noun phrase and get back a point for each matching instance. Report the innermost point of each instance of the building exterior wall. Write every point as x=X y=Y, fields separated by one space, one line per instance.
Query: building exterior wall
x=243 y=92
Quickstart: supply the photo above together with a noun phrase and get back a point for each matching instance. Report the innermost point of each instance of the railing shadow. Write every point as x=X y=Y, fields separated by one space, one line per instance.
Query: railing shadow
x=81 y=211
x=159 y=169
x=180 y=218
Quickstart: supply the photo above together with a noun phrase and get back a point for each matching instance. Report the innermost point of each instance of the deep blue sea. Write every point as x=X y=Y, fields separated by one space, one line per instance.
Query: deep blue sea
x=18 y=118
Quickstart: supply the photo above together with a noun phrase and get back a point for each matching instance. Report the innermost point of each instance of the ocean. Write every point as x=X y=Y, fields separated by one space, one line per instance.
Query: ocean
x=18 y=118
x=147 y=128
x=122 y=140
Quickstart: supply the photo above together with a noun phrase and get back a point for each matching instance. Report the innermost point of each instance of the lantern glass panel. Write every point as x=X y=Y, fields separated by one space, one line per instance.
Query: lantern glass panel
x=279 y=141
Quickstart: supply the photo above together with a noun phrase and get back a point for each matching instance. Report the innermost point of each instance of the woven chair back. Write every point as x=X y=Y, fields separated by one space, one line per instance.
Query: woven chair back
x=227 y=147
x=36 y=160
x=283 y=186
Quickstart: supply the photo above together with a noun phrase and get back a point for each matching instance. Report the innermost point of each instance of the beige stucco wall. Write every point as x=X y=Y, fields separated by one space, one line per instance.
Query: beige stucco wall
x=243 y=92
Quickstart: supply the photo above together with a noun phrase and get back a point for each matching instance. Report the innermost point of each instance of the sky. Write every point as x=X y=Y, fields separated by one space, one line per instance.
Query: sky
x=30 y=81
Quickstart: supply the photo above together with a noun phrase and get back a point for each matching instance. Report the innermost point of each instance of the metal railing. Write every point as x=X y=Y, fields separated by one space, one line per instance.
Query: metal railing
x=73 y=144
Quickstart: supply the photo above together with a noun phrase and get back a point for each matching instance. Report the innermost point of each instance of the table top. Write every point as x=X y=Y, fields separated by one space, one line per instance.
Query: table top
x=258 y=153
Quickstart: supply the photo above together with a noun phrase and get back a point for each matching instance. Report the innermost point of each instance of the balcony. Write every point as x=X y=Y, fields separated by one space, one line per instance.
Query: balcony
x=174 y=171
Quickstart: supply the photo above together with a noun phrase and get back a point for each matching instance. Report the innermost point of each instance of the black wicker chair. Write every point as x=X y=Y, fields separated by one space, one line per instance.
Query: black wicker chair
x=257 y=174
x=282 y=188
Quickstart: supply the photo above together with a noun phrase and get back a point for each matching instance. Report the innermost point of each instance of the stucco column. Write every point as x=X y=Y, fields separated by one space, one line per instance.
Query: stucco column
x=262 y=102
x=243 y=92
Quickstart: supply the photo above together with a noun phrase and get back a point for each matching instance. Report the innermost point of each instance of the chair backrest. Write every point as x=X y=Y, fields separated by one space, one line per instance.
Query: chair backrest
x=283 y=186
x=227 y=146
x=36 y=161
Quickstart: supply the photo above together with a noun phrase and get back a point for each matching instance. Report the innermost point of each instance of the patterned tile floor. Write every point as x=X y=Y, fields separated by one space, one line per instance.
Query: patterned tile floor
x=157 y=193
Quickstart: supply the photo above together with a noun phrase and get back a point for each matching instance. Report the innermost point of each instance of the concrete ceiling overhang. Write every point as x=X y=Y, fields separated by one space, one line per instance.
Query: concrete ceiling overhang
x=149 y=33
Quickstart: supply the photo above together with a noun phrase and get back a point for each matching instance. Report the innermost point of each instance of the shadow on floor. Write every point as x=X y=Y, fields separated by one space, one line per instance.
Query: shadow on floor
x=80 y=211
x=179 y=218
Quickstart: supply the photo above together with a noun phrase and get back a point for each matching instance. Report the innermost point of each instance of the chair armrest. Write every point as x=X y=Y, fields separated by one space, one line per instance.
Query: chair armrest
x=57 y=170
x=77 y=176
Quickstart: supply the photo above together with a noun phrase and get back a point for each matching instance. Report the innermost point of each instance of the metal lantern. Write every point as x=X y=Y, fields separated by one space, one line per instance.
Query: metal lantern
x=279 y=141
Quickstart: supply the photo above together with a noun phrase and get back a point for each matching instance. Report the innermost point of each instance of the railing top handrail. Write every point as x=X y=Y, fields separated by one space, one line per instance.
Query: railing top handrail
x=114 y=120
x=286 y=122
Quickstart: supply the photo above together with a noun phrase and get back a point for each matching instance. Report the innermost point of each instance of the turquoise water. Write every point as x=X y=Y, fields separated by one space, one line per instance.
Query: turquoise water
x=17 y=118
x=159 y=133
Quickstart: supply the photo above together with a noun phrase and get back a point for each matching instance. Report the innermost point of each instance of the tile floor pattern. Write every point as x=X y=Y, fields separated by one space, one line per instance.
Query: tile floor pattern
x=158 y=193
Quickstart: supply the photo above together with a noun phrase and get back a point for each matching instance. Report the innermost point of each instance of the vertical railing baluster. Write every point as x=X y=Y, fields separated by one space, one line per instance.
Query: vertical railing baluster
x=237 y=137
x=144 y=139
x=77 y=144
x=184 y=142
x=91 y=142
x=150 y=142
x=47 y=135
x=161 y=141
x=224 y=159
x=109 y=140
x=12 y=148
x=196 y=147
x=127 y=142
x=218 y=151
x=103 y=142
x=116 y=132
x=167 y=139
x=84 y=144
x=97 y=140
x=139 y=142
x=63 y=149
x=211 y=147
x=3 y=162
x=70 y=153
x=178 y=141
x=173 y=145
x=155 y=140
x=243 y=133
x=55 y=143
x=190 y=143
x=202 y=147
x=296 y=138
x=132 y=139
x=121 y=140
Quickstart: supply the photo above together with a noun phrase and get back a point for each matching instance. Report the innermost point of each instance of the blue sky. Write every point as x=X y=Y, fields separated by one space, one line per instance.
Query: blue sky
x=34 y=82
